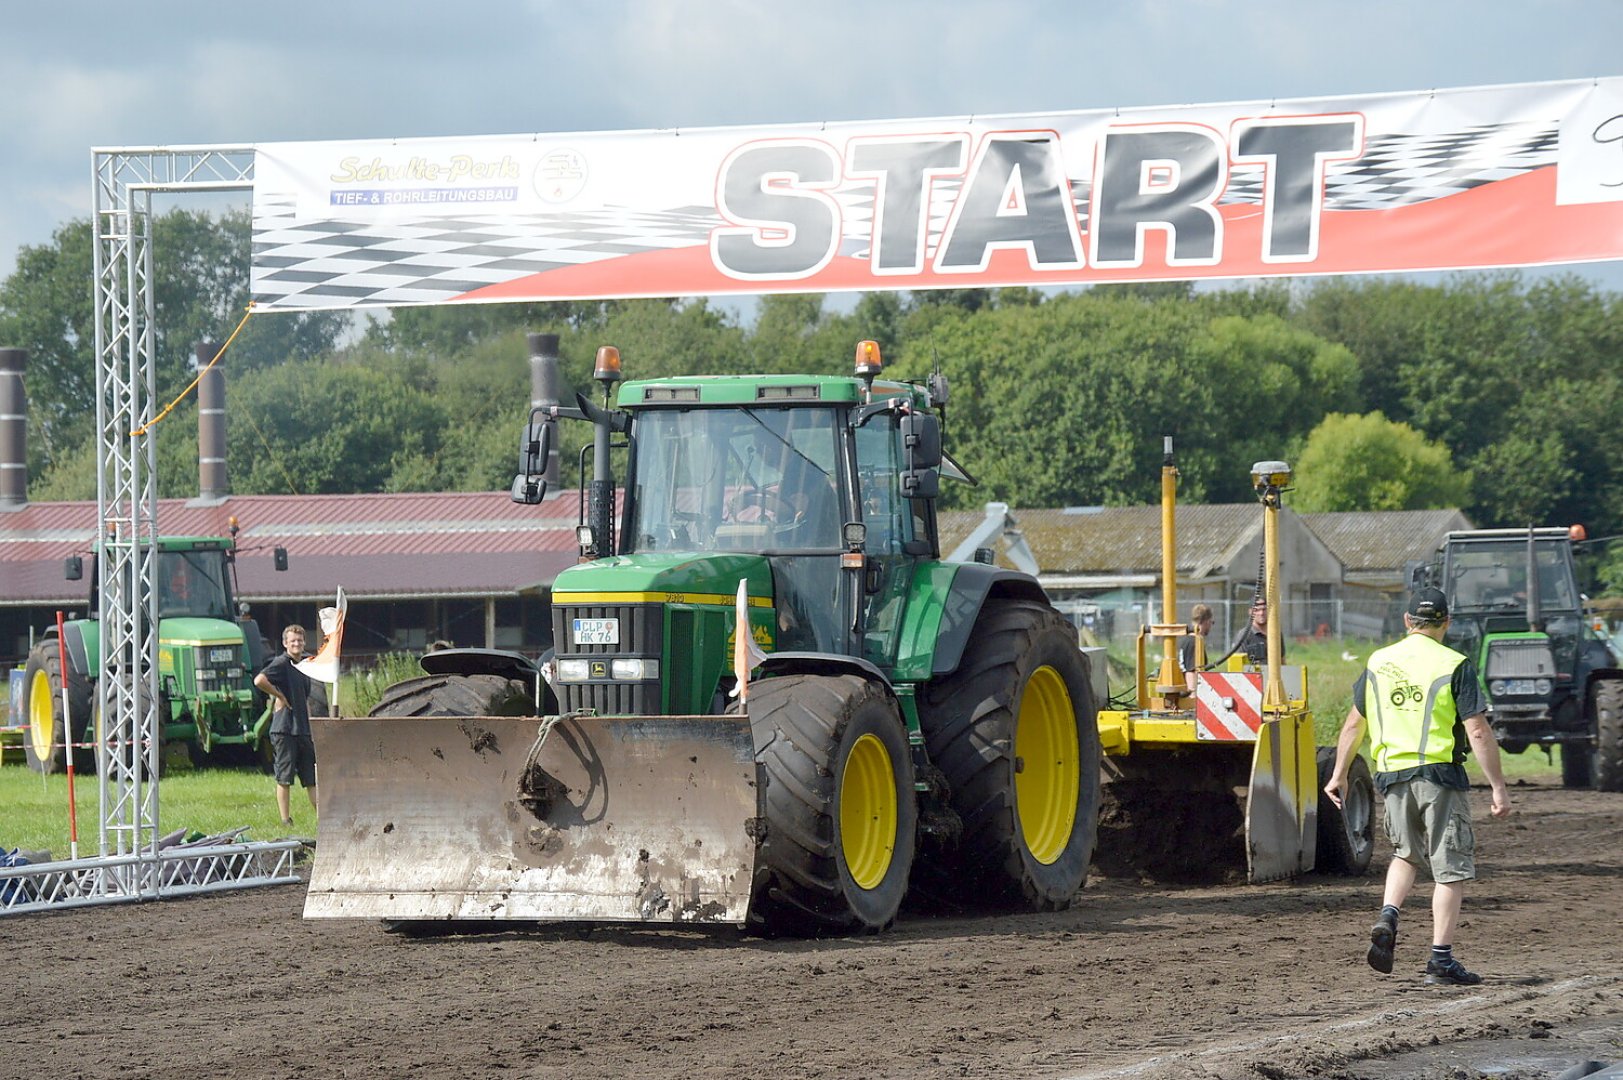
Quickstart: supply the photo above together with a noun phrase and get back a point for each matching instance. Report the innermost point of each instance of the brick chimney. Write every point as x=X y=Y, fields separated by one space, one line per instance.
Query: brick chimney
x=212 y=485
x=14 y=430
x=544 y=388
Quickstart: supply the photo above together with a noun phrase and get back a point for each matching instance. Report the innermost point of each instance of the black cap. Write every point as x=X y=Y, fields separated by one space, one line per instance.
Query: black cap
x=1428 y=605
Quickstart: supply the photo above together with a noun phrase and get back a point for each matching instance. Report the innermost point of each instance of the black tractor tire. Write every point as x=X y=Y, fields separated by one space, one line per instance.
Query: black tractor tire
x=1577 y=765
x=838 y=811
x=456 y=695
x=1346 y=838
x=1021 y=667
x=42 y=674
x=1606 y=714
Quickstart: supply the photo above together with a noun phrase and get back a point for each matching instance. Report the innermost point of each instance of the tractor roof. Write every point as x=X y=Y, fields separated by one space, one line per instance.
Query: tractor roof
x=754 y=390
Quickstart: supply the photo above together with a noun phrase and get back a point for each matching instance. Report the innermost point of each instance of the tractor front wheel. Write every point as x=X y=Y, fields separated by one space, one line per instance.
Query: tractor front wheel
x=1606 y=716
x=837 y=800
x=49 y=728
x=1014 y=732
x=456 y=695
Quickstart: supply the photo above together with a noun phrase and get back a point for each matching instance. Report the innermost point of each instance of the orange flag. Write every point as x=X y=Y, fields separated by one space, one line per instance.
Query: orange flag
x=323 y=666
x=746 y=654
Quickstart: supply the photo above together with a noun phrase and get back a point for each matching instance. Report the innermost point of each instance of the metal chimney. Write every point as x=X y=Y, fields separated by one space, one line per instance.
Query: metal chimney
x=13 y=429
x=544 y=387
x=212 y=485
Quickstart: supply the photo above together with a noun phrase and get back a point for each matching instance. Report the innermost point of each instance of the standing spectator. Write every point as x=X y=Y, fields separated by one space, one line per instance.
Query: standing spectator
x=1425 y=702
x=294 y=751
x=1252 y=640
x=1200 y=625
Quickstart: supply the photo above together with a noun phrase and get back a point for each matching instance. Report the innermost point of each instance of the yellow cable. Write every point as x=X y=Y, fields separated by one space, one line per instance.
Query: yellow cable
x=167 y=409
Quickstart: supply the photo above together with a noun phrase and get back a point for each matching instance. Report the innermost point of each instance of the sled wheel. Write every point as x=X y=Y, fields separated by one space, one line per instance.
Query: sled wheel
x=1346 y=835
x=1013 y=730
x=837 y=802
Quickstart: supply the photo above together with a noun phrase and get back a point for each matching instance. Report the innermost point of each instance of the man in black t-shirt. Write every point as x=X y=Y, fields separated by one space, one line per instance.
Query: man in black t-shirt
x=294 y=751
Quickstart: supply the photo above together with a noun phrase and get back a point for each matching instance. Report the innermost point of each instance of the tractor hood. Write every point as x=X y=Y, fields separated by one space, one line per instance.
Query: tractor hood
x=189 y=630
x=664 y=577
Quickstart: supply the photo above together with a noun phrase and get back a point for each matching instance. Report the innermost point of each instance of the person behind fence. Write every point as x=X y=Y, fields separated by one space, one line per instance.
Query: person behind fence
x=1423 y=703
x=293 y=749
x=1252 y=640
x=1200 y=625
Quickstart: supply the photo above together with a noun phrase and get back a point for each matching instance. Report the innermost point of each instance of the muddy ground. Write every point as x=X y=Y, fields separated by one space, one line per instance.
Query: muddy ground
x=1133 y=981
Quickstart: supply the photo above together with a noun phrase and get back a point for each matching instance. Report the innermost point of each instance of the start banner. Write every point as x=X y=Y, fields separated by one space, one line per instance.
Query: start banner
x=1448 y=179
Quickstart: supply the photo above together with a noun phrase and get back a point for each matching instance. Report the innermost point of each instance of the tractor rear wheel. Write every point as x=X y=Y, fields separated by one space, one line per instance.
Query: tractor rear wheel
x=1606 y=714
x=1014 y=732
x=838 y=805
x=456 y=695
x=1346 y=834
x=48 y=729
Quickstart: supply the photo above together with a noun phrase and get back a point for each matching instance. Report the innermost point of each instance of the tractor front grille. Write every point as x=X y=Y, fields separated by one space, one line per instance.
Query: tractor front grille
x=641 y=633
x=1530 y=659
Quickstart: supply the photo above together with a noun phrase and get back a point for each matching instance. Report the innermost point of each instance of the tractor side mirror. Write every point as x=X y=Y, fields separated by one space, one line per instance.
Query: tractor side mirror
x=921 y=439
x=279 y=558
x=73 y=568
x=1417 y=575
x=535 y=447
x=921 y=442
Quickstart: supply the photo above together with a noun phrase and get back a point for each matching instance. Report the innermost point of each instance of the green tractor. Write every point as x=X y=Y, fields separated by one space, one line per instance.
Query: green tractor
x=207 y=657
x=913 y=723
x=1550 y=679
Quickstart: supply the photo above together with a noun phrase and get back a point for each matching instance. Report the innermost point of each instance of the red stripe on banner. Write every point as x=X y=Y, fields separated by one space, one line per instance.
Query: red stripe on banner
x=1506 y=223
x=1215 y=726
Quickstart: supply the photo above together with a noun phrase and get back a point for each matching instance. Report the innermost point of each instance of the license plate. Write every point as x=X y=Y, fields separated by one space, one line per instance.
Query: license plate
x=1518 y=687
x=222 y=654
x=597 y=631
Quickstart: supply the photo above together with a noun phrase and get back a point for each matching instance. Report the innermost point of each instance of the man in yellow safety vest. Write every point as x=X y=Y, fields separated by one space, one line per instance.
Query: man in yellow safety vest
x=1423 y=702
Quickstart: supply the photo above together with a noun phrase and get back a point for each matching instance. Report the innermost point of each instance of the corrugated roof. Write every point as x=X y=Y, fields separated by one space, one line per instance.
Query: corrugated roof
x=1123 y=540
x=383 y=546
x=1369 y=541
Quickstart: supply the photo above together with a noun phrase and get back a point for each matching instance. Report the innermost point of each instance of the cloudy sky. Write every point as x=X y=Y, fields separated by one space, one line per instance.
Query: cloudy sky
x=79 y=74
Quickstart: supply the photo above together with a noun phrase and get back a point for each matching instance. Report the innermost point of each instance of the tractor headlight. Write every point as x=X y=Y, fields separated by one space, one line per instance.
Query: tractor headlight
x=572 y=671
x=1497 y=688
x=1542 y=687
x=634 y=668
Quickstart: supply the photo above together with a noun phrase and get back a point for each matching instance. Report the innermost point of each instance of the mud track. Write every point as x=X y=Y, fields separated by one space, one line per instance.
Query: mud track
x=1133 y=981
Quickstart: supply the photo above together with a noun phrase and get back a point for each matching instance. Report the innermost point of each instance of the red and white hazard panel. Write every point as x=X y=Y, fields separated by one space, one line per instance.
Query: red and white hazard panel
x=1228 y=706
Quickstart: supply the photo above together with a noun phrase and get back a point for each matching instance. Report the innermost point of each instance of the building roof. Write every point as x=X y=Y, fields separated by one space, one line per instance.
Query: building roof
x=383 y=546
x=1377 y=545
x=1124 y=541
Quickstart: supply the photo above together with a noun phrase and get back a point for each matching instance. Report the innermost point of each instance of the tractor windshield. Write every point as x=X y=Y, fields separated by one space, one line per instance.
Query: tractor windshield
x=191 y=583
x=735 y=479
x=1492 y=576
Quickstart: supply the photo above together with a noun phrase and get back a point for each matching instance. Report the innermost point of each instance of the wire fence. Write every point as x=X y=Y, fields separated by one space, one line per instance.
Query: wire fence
x=1116 y=622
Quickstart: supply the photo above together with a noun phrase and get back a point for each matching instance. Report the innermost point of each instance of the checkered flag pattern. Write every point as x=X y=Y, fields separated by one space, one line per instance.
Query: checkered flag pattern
x=338 y=263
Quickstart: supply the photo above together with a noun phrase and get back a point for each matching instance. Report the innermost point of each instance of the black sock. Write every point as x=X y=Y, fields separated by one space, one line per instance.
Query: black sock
x=1442 y=954
x=1390 y=914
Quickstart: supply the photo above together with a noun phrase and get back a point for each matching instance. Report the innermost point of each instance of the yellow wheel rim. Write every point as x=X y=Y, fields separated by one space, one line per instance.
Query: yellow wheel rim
x=1046 y=780
x=41 y=716
x=868 y=811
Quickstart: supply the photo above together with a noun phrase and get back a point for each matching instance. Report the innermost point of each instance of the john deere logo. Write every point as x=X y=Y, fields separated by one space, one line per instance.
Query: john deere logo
x=599 y=669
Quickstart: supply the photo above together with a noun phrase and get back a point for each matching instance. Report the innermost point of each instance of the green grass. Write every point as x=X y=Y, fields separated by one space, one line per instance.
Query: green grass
x=205 y=801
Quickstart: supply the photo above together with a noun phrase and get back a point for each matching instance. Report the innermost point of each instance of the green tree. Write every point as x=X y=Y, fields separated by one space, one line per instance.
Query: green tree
x=1371 y=463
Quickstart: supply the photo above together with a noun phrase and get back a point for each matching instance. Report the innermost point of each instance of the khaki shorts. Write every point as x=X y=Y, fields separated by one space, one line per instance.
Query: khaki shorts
x=1430 y=824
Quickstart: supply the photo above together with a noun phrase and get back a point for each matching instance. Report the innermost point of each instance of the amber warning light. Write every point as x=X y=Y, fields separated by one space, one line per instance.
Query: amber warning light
x=608 y=364
x=868 y=362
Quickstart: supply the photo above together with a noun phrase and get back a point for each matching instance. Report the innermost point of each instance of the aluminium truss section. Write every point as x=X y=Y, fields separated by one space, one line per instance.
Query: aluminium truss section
x=124 y=181
x=177 y=871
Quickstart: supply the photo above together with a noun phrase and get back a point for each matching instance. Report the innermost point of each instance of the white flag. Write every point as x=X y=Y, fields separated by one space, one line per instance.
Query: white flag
x=746 y=654
x=323 y=666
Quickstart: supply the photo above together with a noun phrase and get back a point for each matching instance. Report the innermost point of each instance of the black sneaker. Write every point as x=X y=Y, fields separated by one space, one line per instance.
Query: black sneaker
x=1383 y=937
x=1449 y=972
